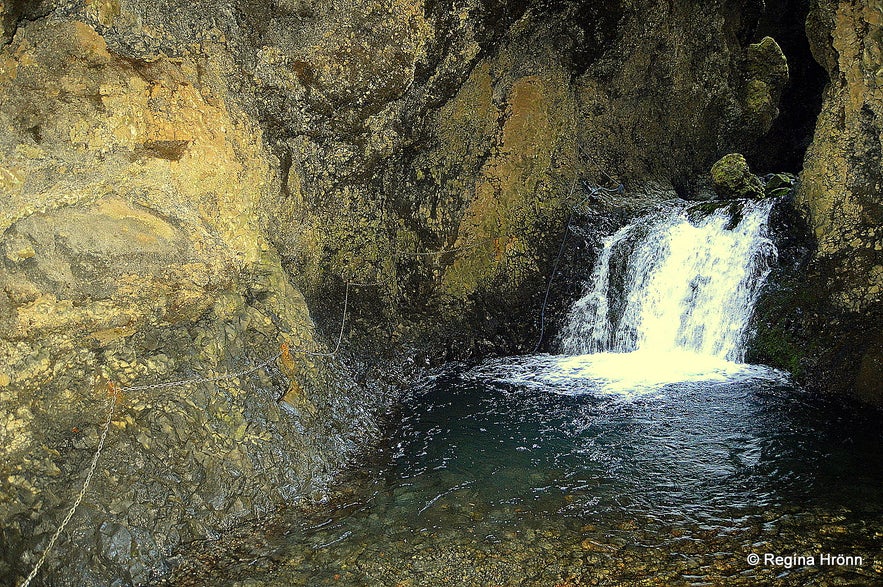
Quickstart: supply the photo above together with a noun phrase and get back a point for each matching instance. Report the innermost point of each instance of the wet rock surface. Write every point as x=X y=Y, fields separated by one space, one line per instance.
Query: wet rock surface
x=732 y=178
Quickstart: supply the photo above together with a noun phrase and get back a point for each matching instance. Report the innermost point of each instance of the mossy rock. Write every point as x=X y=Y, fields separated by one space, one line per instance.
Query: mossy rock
x=733 y=179
x=767 y=62
x=767 y=74
x=758 y=98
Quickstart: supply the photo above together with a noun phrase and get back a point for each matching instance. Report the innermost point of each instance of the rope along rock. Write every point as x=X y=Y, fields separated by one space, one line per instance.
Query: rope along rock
x=115 y=392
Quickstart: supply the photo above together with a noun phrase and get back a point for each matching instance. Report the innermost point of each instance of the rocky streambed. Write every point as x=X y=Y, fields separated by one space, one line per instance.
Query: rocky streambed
x=493 y=480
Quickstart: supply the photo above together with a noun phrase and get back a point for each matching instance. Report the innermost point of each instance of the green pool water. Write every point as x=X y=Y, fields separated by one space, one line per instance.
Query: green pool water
x=546 y=471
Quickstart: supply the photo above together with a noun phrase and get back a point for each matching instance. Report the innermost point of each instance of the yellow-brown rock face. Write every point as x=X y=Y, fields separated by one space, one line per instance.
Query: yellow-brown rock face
x=843 y=177
x=170 y=170
x=131 y=199
x=131 y=194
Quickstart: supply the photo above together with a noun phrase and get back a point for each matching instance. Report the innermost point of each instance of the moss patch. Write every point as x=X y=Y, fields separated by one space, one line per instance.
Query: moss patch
x=733 y=179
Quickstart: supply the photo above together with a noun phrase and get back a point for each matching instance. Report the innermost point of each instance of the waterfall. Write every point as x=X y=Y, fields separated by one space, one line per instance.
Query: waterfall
x=669 y=284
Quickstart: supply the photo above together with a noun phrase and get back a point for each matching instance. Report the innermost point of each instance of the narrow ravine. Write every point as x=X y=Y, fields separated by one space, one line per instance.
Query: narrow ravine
x=439 y=292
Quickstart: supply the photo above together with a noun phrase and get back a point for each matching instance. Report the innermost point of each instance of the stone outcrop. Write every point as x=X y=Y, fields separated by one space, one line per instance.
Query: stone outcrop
x=827 y=323
x=732 y=178
x=485 y=148
x=767 y=76
x=133 y=248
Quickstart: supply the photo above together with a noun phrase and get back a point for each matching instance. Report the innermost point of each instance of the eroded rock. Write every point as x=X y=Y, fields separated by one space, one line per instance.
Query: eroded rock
x=134 y=248
x=171 y=170
x=828 y=321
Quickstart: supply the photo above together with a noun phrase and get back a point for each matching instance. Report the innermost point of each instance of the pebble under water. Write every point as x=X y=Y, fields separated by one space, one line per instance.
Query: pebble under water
x=530 y=472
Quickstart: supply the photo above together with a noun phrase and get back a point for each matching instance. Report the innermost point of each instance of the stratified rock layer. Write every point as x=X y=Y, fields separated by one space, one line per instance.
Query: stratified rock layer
x=133 y=248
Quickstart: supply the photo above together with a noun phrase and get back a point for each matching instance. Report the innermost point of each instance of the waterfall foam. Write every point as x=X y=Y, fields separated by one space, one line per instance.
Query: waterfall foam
x=674 y=293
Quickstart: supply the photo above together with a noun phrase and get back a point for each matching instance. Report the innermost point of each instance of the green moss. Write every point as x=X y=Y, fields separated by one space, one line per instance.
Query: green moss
x=779 y=184
x=733 y=179
x=773 y=346
x=757 y=97
x=781 y=338
x=702 y=209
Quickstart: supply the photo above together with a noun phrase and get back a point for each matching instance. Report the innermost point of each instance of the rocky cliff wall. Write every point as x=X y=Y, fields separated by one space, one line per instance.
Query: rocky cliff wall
x=826 y=324
x=479 y=153
x=133 y=248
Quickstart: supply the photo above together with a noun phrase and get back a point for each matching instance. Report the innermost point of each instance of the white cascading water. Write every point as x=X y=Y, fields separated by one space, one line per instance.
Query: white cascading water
x=671 y=299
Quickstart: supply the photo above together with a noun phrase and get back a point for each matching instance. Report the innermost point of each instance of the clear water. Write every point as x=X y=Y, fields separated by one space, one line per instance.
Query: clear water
x=534 y=471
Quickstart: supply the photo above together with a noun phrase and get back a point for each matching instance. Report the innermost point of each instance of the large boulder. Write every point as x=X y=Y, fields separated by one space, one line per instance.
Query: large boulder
x=767 y=70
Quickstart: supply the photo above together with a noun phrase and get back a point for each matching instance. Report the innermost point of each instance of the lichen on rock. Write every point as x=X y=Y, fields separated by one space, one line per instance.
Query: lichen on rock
x=134 y=248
